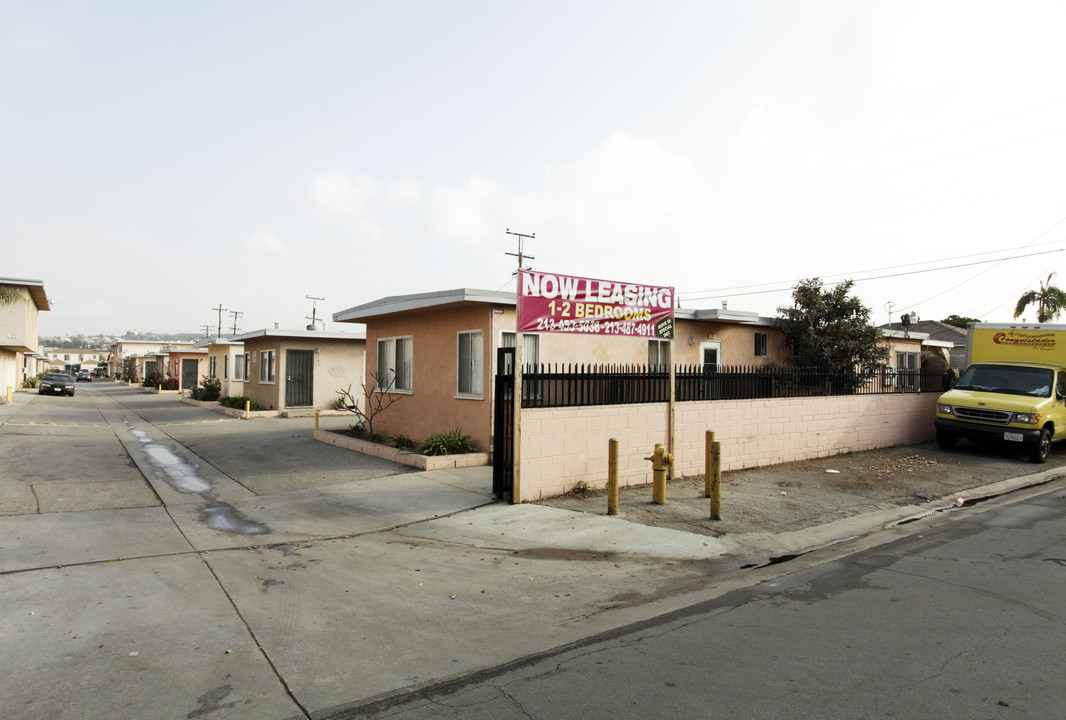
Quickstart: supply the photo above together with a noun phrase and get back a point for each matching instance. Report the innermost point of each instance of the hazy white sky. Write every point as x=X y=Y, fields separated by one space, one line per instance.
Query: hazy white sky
x=160 y=159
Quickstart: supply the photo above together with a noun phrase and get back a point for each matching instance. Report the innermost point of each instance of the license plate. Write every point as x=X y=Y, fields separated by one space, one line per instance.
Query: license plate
x=57 y=389
x=1012 y=437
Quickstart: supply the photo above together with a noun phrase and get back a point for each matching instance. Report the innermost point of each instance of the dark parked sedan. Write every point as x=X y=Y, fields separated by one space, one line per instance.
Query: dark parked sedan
x=56 y=384
x=85 y=375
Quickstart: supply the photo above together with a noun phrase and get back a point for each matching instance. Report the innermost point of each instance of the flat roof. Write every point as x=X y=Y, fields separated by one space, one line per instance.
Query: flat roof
x=35 y=288
x=355 y=334
x=422 y=301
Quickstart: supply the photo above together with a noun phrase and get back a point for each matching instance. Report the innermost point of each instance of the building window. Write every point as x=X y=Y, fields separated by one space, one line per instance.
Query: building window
x=266 y=366
x=240 y=362
x=212 y=363
x=530 y=349
x=225 y=367
x=658 y=353
x=395 y=364
x=471 y=363
x=762 y=344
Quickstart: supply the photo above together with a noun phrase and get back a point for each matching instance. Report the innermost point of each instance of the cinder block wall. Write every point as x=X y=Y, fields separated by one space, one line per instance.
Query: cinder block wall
x=564 y=446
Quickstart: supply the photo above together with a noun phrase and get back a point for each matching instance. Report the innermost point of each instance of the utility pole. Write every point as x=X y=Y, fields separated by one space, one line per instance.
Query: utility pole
x=235 y=315
x=522 y=257
x=220 y=311
x=206 y=329
x=314 y=310
x=516 y=463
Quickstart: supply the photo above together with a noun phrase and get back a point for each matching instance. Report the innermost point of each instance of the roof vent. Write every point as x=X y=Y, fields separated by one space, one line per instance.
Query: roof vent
x=312 y=326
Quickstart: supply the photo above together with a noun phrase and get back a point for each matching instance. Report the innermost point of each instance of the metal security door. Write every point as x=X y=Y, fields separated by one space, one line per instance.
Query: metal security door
x=503 y=424
x=299 y=378
x=189 y=371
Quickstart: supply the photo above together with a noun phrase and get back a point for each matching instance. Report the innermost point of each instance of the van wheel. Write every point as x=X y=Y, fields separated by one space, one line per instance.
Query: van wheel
x=946 y=440
x=1038 y=453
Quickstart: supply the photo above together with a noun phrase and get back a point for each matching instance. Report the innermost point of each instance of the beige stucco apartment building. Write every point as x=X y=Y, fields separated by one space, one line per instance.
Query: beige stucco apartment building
x=19 y=338
x=439 y=350
x=300 y=370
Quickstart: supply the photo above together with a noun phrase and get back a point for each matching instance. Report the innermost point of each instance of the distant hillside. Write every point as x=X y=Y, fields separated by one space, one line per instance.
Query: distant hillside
x=102 y=341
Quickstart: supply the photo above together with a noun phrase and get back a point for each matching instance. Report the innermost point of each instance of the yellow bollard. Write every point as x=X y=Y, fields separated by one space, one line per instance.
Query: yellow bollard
x=316 y=420
x=9 y=395
x=612 y=476
x=247 y=409
x=660 y=463
x=708 y=439
x=715 y=469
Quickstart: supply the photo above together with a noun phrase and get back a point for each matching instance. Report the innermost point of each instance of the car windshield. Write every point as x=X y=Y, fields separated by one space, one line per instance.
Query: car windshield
x=1010 y=379
x=56 y=377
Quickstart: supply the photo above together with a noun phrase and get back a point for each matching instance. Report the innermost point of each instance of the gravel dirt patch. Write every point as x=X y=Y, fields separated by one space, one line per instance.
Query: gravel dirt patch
x=793 y=496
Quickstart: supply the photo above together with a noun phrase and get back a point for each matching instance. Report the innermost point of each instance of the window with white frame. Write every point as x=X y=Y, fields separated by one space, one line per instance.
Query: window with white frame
x=395 y=364
x=762 y=344
x=266 y=366
x=530 y=349
x=225 y=367
x=212 y=363
x=240 y=363
x=471 y=363
x=658 y=353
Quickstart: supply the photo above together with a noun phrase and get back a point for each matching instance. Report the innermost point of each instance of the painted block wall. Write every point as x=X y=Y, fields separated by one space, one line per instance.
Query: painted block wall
x=564 y=446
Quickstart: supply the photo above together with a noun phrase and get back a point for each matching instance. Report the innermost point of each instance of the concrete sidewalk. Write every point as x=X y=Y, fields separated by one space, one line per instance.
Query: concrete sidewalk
x=359 y=591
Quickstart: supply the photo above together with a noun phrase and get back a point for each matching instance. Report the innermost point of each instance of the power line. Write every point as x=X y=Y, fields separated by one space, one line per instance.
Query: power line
x=879 y=277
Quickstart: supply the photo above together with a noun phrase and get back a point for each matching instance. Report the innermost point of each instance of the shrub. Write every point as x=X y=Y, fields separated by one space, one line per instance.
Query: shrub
x=151 y=379
x=31 y=382
x=169 y=383
x=209 y=389
x=237 y=402
x=403 y=442
x=452 y=442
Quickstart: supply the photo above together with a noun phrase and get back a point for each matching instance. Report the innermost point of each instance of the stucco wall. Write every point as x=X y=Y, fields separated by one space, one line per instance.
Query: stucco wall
x=433 y=405
x=337 y=364
x=564 y=446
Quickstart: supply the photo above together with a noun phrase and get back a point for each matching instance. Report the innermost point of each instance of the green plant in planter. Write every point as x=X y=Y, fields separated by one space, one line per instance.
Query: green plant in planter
x=403 y=442
x=452 y=442
x=208 y=390
x=237 y=402
x=151 y=379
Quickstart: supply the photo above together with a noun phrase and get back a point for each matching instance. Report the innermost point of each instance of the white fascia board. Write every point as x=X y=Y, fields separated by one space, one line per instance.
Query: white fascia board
x=356 y=334
x=422 y=301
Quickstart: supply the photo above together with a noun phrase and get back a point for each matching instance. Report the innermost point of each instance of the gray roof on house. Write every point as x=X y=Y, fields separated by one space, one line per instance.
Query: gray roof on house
x=424 y=301
x=355 y=334
x=935 y=329
x=35 y=288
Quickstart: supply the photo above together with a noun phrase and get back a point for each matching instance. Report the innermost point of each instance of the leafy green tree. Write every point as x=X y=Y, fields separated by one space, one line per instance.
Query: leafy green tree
x=1049 y=301
x=959 y=321
x=830 y=329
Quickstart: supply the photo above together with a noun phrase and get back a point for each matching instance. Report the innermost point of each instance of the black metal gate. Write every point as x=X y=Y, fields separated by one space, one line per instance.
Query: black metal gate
x=299 y=378
x=190 y=369
x=503 y=424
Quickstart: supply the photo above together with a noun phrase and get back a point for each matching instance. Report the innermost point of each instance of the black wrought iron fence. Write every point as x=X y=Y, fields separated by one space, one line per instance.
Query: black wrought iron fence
x=577 y=384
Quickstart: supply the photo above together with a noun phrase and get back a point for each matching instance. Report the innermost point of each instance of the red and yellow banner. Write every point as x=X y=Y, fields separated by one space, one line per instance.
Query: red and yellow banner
x=552 y=303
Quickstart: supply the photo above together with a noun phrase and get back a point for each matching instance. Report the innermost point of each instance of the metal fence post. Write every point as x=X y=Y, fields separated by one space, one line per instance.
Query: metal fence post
x=612 y=476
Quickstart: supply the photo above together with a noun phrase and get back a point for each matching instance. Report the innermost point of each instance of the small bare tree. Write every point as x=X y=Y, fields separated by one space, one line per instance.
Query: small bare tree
x=375 y=402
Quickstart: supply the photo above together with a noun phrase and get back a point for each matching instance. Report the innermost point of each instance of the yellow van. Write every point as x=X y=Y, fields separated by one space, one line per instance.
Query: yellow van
x=1008 y=401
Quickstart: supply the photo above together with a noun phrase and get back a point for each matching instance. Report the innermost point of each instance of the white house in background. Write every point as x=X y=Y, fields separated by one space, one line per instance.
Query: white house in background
x=226 y=361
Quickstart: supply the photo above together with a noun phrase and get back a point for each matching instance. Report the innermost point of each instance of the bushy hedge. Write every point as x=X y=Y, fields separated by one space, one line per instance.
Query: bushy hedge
x=237 y=402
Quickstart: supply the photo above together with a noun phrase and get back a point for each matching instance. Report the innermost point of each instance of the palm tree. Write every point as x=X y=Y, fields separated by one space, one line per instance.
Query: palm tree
x=1049 y=300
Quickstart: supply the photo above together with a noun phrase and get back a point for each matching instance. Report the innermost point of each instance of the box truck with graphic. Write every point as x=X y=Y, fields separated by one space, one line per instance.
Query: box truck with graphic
x=1013 y=389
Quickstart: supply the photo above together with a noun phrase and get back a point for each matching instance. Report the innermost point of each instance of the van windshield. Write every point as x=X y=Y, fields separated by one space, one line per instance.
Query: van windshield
x=1010 y=379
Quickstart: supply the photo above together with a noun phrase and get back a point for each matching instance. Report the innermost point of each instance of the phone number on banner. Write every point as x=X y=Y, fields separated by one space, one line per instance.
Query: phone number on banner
x=597 y=327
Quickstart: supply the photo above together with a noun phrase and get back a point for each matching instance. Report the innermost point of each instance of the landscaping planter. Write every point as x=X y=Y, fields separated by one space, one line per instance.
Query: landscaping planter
x=405 y=457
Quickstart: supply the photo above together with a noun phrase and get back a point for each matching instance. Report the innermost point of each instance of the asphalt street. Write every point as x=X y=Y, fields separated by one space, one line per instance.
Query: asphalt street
x=159 y=560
